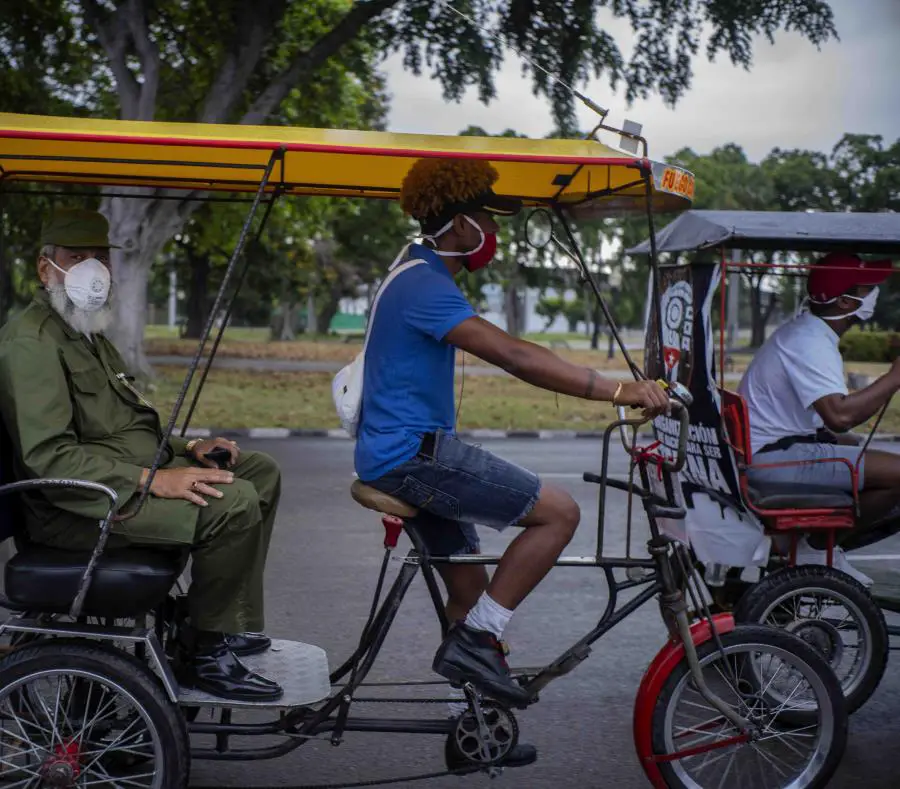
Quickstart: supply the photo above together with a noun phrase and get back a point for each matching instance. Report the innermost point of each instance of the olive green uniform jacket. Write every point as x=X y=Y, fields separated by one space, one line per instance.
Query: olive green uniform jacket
x=71 y=412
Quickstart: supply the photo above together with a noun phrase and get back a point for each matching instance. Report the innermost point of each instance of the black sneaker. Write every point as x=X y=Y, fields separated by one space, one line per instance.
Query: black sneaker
x=476 y=656
x=244 y=644
x=521 y=755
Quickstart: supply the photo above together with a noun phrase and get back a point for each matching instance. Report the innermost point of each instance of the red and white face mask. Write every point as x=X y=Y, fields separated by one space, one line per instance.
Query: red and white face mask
x=477 y=258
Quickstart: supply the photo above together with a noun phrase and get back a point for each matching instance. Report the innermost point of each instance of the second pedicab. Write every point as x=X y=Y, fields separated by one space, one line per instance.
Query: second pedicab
x=743 y=534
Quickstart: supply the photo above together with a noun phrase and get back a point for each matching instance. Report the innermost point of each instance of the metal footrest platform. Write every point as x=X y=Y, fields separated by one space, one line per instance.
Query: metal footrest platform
x=301 y=669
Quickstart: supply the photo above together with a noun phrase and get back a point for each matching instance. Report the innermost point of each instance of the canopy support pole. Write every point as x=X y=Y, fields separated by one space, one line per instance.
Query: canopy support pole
x=635 y=370
x=276 y=156
x=6 y=296
x=647 y=174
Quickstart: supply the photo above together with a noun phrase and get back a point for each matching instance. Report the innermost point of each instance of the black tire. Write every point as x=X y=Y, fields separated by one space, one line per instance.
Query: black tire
x=109 y=665
x=760 y=605
x=832 y=715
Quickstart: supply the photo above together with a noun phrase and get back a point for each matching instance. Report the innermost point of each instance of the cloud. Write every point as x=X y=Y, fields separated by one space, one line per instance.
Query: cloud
x=794 y=96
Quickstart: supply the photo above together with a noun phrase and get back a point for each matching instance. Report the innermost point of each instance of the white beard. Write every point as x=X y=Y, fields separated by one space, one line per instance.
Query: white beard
x=88 y=323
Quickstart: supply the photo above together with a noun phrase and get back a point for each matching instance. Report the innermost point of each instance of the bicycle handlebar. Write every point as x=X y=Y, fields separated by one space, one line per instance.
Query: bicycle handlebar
x=675 y=406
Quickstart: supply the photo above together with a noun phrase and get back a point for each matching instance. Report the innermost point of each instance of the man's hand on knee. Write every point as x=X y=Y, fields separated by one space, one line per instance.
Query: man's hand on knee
x=190 y=484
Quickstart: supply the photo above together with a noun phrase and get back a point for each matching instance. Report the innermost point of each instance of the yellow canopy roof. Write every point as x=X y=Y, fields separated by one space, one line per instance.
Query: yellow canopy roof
x=338 y=162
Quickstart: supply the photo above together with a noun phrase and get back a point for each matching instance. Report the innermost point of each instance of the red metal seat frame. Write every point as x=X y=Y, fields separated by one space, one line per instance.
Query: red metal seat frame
x=736 y=421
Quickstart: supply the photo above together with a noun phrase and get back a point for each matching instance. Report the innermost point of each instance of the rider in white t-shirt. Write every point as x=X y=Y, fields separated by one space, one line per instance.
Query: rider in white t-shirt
x=800 y=408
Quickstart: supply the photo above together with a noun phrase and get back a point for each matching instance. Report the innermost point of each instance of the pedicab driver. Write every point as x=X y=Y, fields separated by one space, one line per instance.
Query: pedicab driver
x=406 y=446
x=70 y=411
x=801 y=410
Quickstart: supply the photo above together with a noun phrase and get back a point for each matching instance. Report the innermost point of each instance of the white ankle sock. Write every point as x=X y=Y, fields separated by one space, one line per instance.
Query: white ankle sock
x=457 y=708
x=488 y=614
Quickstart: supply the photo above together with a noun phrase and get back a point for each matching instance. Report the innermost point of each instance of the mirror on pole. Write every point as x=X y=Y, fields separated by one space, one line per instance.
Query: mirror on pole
x=539 y=228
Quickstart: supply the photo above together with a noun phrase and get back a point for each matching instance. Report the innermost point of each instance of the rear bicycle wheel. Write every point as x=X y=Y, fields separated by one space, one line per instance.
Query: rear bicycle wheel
x=766 y=675
x=832 y=613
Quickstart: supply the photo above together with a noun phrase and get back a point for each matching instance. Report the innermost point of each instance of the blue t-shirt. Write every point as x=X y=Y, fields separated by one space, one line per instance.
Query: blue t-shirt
x=408 y=379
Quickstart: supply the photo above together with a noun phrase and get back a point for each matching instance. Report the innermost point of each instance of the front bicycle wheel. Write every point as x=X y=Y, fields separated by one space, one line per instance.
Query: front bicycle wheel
x=767 y=676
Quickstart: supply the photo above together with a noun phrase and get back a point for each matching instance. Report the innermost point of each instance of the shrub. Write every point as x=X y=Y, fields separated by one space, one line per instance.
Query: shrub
x=870 y=346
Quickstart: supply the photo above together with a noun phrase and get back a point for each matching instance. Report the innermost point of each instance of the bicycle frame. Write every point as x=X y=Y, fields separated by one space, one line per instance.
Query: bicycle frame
x=669 y=574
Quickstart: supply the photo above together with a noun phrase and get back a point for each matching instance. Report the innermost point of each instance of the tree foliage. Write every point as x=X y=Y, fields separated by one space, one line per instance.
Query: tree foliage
x=860 y=173
x=275 y=61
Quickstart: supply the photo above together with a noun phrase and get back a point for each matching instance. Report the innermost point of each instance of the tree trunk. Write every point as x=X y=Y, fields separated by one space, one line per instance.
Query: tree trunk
x=312 y=319
x=7 y=295
x=197 y=306
x=140 y=228
x=597 y=319
x=287 y=321
x=760 y=313
x=514 y=309
x=328 y=310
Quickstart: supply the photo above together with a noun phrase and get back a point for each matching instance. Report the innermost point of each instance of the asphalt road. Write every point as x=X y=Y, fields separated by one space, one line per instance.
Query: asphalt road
x=321 y=573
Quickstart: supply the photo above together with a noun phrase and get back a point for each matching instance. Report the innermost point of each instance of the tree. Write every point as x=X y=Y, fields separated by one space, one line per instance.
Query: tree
x=868 y=174
x=236 y=61
x=727 y=180
x=868 y=179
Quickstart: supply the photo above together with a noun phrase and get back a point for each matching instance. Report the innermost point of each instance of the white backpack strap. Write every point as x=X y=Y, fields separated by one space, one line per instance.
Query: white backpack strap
x=395 y=271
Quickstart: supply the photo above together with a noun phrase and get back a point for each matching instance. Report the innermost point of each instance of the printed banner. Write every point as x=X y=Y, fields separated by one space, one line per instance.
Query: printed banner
x=717 y=525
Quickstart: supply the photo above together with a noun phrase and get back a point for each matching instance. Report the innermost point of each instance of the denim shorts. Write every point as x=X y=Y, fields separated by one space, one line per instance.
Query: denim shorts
x=457 y=485
x=829 y=474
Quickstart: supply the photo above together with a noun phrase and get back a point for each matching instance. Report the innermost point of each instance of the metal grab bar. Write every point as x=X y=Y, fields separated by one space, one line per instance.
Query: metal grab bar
x=105 y=524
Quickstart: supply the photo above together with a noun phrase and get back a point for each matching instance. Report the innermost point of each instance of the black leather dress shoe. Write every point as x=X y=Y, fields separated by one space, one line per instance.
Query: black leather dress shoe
x=244 y=644
x=476 y=656
x=216 y=670
x=521 y=755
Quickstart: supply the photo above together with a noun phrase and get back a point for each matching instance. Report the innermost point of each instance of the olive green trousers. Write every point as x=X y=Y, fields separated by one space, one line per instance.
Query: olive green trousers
x=228 y=542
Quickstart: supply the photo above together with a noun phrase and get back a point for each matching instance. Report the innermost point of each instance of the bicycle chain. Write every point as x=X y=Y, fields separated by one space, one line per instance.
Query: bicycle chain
x=467 y=770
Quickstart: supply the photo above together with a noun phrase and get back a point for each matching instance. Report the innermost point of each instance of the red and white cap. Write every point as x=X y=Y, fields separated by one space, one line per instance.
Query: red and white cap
x=838 y=272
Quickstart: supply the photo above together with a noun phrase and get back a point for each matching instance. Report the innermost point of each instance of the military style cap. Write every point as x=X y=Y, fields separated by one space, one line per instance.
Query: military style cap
x=76 y=227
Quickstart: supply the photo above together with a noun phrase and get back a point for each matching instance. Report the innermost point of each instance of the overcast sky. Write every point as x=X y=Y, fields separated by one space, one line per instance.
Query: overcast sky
x=794 y=96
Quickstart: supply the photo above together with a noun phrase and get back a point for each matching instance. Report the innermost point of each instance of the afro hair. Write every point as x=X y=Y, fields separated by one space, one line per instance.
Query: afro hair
x=431 y=185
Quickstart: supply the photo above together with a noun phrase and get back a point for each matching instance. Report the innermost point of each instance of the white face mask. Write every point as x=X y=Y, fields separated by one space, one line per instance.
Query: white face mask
x=864 y=311
x=87 y=284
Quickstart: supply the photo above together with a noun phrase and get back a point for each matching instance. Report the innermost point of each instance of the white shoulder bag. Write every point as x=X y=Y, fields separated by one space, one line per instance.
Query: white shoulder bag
x=347 y=386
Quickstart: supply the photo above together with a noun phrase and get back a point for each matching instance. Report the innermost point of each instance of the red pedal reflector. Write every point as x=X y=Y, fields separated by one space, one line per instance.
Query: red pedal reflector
x=392 y=528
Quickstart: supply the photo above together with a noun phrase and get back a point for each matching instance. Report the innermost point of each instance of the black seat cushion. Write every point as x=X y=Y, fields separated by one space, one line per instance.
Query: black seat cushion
x=789 y=496
x=127 y=582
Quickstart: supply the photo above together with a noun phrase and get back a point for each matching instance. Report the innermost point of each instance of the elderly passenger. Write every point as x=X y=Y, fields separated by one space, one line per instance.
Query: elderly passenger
x=70 y=410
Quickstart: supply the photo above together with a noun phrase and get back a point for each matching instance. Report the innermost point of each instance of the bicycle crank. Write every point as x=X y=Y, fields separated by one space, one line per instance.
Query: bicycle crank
x=485 y=733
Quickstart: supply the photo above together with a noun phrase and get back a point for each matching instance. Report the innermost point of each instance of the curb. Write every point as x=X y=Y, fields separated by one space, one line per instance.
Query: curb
x=287 y=432
x=481 y=434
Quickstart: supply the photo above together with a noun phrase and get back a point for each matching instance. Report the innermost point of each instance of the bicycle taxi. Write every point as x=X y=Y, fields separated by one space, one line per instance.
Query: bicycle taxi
x=87 y=692
x=742 y=535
